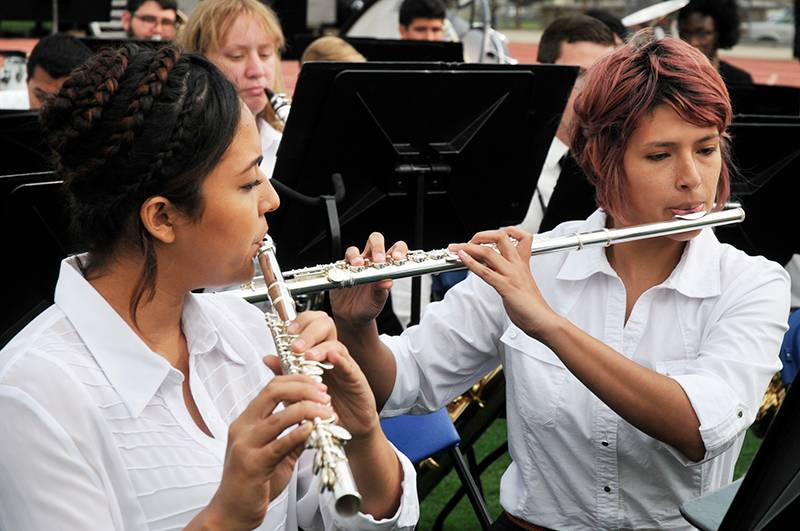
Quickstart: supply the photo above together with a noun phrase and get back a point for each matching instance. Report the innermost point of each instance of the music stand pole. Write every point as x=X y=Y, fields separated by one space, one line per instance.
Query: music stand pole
x=54 y=30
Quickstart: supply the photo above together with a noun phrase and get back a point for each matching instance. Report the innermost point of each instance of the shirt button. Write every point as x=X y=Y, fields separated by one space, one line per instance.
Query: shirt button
x=604 y=443
x=512 y=334
x=739 y=414
x=607 y=489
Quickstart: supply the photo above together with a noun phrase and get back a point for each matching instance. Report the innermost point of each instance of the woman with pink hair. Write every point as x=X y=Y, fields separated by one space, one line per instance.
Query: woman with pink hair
x=632 y=371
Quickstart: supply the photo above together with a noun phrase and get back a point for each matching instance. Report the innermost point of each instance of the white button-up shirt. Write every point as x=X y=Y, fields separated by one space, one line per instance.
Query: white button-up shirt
x=270 y=141
x=96 y=435
x=715 y=326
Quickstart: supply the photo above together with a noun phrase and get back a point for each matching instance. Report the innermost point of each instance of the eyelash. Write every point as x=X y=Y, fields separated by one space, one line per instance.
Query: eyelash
x=251 y=185
x=707 y=151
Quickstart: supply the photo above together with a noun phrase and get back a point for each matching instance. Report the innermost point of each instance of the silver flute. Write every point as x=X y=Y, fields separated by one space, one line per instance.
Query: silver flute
x=342 y=275
x=327 y=438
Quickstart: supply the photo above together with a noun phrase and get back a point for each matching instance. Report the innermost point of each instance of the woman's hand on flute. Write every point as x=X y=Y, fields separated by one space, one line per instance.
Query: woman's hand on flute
x=361 y=304
x=352 y=398
x=258 y=459
x=507 y=269
x=373 y=462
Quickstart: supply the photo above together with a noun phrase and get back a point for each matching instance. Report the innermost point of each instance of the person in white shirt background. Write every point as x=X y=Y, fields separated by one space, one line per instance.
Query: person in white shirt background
x=577 y=40
x=244 y=39
x=633 y=371
x=134 y=403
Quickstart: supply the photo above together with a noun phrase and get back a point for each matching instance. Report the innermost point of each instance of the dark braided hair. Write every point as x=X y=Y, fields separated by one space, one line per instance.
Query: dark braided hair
x=119 y=129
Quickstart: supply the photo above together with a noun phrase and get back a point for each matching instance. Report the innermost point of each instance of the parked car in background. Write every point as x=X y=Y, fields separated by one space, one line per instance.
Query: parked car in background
x=778 y=28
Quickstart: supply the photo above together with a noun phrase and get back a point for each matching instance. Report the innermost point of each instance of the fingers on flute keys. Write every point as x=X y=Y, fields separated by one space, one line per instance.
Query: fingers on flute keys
x=375 y=251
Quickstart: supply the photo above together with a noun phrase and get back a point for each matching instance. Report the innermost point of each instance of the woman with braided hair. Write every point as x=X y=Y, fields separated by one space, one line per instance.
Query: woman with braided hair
x=134 y=403
x=244 y=39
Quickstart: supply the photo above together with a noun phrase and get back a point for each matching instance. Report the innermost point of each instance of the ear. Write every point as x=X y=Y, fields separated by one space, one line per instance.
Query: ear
x=159 y=216
x=125 y=18
x=403 y=31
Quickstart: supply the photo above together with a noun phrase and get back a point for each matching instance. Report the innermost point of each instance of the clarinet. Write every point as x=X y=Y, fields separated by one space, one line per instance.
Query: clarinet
x=327 y=438
x=280 y=104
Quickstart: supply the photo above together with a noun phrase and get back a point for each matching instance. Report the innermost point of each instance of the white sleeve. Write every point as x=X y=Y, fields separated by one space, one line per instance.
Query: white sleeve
x=45 y=483
x=315 y=510
x=738 y=357
x=454 y=346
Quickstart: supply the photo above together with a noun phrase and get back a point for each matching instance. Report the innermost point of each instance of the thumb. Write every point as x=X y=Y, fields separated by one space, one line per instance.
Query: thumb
x=273 y=364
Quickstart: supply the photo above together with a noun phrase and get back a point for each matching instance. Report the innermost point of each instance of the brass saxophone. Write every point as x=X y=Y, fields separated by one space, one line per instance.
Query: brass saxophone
x=327 y=438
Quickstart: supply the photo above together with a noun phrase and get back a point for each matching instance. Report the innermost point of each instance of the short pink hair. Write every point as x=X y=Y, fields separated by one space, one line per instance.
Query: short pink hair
x=624 y=87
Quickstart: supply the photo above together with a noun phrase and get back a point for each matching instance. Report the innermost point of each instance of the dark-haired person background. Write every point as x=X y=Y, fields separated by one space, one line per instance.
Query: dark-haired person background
x=632 y=371
x=151 y=19
x=49 y=64
x=422 y=20
x=709 y=25
x=133 y=403
x=577 y=40
x=613 y=23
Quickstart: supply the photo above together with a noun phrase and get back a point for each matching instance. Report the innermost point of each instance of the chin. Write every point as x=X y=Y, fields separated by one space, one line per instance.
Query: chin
x=256 y=105
x=684 y=236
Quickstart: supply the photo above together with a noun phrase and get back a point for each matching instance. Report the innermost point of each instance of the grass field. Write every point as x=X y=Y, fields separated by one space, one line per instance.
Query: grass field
x=463 y=518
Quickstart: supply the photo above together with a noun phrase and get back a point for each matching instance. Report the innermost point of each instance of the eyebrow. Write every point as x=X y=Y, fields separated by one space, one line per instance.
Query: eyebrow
x=659 y=143
x=255 y=162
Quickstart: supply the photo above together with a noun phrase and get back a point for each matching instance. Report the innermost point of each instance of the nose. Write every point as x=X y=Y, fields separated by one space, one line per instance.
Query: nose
x=269 y=200
x=255 y=67
x=688 y=176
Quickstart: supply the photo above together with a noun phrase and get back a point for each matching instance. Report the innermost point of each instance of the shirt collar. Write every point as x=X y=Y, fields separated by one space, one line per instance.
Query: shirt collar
x=205 y=332
x=583 y=263
x=269 y=135
x=696 y=275
x=135 y=371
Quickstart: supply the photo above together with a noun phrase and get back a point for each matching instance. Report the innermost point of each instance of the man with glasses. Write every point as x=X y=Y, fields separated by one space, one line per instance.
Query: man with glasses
x=151 y=19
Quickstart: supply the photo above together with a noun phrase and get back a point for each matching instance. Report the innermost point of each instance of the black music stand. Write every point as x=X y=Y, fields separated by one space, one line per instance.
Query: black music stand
x=768 y=497
x=767 y=155
x=35 y=230
x=773 y=100
x=393 y=49
x=79 y=12
x=22 y=145
x=429 y=153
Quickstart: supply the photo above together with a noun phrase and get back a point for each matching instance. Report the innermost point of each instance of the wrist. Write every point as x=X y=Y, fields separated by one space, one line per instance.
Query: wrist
x=353 y=326
x=210 y=519
x=548 y=330
x=369 y=442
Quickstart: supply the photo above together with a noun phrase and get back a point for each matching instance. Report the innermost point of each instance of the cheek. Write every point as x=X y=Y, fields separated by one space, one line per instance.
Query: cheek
x=270 y=72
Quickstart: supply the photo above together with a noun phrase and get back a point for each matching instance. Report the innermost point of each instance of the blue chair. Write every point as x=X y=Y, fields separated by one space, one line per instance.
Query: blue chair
x=790 y=349
x=421 y=436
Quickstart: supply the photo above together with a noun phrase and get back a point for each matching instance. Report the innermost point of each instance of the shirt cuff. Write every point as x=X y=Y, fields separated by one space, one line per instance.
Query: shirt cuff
x=406 y=383
x=406 y=516
x=722 y=416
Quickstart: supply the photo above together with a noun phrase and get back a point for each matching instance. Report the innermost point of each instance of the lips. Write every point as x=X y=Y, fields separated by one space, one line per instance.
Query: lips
x=253 y=91
x=688 y=208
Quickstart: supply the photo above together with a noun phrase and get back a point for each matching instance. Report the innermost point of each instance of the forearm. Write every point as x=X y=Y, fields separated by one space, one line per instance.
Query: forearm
x=378 y=474
x=653 y=403
x=375 y=359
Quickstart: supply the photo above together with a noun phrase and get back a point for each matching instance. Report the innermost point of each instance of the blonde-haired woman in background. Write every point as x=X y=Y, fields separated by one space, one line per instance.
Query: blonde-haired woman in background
x=243 y=38
x=330 y=48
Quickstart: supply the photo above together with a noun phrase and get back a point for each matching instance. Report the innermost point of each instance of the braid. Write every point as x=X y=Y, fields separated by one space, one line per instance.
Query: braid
x=130 y=124
x=175 y=142
x=148 y=90
x=79 y=106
